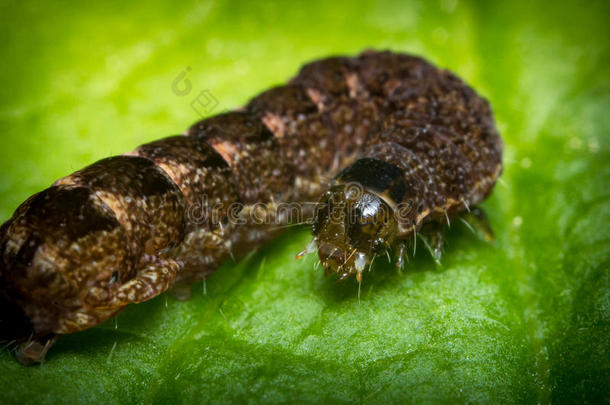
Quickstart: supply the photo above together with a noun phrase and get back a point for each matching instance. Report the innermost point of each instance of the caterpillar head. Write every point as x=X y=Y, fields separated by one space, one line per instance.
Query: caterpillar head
x=352 y=226
x=55 y=265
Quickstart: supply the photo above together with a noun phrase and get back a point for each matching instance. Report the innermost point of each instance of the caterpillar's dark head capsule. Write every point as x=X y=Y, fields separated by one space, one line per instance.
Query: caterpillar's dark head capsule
x=352 y=226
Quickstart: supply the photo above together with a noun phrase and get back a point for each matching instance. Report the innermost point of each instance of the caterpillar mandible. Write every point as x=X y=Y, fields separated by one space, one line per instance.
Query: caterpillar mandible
x=373 y=149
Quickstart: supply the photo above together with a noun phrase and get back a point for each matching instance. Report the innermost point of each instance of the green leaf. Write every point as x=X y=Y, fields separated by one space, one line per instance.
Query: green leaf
x=523 y=320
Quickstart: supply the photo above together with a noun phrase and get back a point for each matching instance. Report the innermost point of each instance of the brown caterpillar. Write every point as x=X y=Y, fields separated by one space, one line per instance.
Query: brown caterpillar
x=406 y=147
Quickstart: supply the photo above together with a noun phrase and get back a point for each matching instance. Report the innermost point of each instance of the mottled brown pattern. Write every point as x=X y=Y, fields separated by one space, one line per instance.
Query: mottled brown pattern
x=390 y=145
x=295 y=120
x=344 y=103
x=251 y=150
x=62 y=268
x=210 y=187
x=147 y=203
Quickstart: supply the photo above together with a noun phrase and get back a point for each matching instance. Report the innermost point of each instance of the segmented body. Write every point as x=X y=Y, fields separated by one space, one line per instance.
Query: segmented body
x=126 y=228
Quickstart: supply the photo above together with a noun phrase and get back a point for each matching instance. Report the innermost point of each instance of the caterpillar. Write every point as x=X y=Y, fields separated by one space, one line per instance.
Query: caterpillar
x=373 y=150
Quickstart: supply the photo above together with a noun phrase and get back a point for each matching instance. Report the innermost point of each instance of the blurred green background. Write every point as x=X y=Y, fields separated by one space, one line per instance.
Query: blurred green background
x=523 y=320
